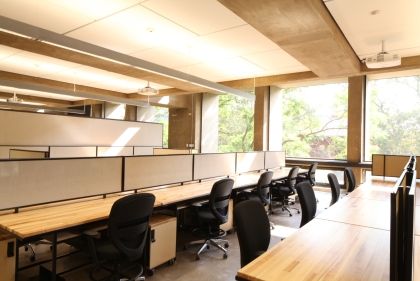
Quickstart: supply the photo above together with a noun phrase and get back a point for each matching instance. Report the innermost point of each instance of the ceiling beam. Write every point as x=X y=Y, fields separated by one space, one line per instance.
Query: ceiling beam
x=41 y=100
x=70 y=49
x=304 y=29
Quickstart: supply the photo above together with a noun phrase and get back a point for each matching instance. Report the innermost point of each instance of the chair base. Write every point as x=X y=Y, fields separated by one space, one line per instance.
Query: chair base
x=206 y=244
x=286 y=207
x=117 y=273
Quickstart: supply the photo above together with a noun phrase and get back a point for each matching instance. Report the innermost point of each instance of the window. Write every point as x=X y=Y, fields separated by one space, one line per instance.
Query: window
x=236 y=124
x=161 y=116
x=315 y=121
x=393 y=116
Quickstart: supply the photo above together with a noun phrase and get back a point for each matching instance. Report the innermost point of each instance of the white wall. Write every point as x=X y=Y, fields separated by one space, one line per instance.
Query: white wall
x=275 y=124
x=210 y=123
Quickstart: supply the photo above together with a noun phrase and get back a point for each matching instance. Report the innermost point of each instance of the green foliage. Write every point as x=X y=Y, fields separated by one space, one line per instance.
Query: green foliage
x=394 y=116
x=236 y=124
x=161 y=116
x=315 y=121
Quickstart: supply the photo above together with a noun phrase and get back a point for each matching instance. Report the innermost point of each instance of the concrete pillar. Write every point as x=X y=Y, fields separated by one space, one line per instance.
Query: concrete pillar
x=130 y=112
x=261 y=118
x=355 y=132
x=97 y=110
x=275 y=123
x=210 y=123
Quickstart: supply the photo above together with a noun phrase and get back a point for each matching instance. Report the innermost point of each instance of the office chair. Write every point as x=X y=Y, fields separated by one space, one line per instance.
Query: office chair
x=252 y=228
x=351 y=180
x=127 y=233
x=335 y=188
x=211 y=215
x=310 y=176
x=307 y=202
x=260 y=193
x=281 y=190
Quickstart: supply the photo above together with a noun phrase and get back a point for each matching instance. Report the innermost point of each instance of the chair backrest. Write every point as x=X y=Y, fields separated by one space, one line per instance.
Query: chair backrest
x=253 y=229
x=351 y=180
x=291 y=178
x=311 y=173
x=128 y=223
x=263 y=187
x=335 y=188
x=219 y=199
x=307 y=201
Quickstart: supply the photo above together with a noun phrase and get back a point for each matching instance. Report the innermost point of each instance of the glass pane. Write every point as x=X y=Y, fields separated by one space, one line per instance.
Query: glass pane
x=161 y=116
x=393 y=116
x=315 y=121
x=236 y=124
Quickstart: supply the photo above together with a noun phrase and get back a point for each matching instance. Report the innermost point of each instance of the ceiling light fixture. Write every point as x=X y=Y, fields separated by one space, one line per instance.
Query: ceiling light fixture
x=14 y=99
x=383 y=59
x=148 y=91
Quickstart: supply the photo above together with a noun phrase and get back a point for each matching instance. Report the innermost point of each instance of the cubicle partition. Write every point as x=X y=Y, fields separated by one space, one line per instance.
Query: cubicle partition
x=250 y=161
x=213 y=165
x=149 y=171
x=389 y=165
x=275 y=159
x=32 y=182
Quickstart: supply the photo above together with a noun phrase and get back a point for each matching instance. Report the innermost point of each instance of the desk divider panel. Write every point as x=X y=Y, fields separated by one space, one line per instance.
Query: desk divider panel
x=378 y=165
x=5 y=149
x=143 y=150
x=148 y=171
x=249 y=161
x=72 y=151
x=166 y=151
x=394 y=164
x=275 y=159
x=214 y=165
x=104 y=151
x=31 y=182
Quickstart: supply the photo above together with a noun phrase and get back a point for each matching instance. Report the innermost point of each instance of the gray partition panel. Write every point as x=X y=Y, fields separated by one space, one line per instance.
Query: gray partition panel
x=147 y=171
x=30 y=182
x=115 y=151
x=249 y=161
x=214 y=165
x=275 y=159
x=72 y=151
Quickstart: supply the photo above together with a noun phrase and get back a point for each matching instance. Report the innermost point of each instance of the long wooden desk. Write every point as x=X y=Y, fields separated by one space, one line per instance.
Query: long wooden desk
x=48 y=221
x=348 y=241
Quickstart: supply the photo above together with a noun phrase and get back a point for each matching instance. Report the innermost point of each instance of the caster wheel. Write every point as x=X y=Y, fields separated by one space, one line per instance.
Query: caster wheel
x=197 y=257
x=185 y=247
x=171 y=262
x=290 y=215
x=226 y=245
x=32 y=258
x=150 y=272
x=225 y=256
x=298 y=212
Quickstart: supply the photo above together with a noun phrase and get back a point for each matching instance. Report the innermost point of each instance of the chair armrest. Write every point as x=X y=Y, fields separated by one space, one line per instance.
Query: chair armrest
x=90 y=232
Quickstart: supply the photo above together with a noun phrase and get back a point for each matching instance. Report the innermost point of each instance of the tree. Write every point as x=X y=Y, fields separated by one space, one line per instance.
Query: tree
x=236 y=124
x=315 y=121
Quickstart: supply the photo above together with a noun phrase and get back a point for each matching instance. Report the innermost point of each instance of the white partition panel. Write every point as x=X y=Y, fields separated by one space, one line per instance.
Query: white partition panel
x=29 y=182
x=275 y=159
x=214 y=165
x=72 y=151
x=147 y=171
x=5 y=150
x=249 y=161
x=166 y=151
x=25 y=128
x=143 y=150
x=115 y=151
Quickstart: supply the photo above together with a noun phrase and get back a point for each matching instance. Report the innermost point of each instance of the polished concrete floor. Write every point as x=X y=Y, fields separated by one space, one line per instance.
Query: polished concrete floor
x=211 y=266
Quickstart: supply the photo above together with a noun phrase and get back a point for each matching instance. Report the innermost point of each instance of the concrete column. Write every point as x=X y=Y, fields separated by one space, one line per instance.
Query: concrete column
x=261 y=118
x=210 y=123
x=146 y=114
x=97 y=110
x=275 y=124
x=355 y=132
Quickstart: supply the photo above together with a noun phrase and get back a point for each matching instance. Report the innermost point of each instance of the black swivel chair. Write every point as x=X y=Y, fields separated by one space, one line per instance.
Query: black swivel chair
x=335 y=188
x=351 y=180
x=307 y=202
x=211 y=215
x=310 y=176
x=281 y=190
x=260 y=193
x=252 y=228
x=127 y=232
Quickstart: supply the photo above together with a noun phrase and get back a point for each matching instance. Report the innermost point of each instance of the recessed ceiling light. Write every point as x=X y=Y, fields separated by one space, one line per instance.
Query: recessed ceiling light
x=37 y=65
x=375 y=12
x=150 y=29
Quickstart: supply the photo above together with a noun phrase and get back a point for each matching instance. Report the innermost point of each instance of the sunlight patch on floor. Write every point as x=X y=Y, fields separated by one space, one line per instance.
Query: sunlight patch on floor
x=282 y=231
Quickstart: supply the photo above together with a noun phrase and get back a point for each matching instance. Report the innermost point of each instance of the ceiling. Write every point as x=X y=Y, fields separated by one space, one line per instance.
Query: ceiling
x=213 y=40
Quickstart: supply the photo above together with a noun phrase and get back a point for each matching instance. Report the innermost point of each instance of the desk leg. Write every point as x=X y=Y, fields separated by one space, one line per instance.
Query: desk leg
x=54 y=257
x=17 y=260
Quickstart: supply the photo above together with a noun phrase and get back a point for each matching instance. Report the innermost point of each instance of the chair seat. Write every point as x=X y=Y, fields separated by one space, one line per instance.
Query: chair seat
x=105 y=249
x=207 y=217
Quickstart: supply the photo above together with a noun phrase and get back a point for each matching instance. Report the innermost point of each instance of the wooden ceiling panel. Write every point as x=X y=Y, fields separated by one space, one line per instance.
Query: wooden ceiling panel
x=304 y=29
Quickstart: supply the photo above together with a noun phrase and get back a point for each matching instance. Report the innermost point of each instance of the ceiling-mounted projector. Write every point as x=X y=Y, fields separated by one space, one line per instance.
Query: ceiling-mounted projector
x=383 y=59
x=149 y=91
x=15 y=99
